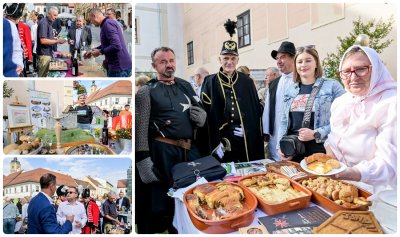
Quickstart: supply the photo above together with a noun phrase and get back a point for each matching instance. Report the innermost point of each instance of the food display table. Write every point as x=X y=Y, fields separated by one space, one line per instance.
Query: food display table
x=183 y=223
x=87 y=68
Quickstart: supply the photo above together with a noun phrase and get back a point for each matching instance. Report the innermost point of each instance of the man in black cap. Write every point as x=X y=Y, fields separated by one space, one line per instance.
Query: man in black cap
x=233 y=108
x=284 y=57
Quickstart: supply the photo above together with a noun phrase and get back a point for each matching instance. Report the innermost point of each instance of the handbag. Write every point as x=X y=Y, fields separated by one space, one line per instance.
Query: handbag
x=186 y=173
x=290 y=144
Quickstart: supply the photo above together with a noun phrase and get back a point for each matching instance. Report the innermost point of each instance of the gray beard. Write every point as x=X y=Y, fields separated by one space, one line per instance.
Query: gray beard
x=168 y=74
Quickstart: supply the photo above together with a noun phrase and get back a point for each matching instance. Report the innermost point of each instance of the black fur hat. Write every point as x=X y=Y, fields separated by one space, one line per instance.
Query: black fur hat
x=62 y=191
x=15 y=10
x=230 y=46
x=86 y=193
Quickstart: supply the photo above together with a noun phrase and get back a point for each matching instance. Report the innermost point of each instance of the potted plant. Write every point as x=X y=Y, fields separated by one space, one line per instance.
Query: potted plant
x=125 y=138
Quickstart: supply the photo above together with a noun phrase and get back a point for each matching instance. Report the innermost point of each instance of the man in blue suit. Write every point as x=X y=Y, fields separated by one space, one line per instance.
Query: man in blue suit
x=42 y=217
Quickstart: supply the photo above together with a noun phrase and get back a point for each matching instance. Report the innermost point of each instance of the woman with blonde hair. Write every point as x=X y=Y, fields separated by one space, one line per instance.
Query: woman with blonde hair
x=308 y=83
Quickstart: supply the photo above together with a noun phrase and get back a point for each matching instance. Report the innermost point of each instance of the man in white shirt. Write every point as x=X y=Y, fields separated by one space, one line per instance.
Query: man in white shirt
x=72 y=208
x=284 y=57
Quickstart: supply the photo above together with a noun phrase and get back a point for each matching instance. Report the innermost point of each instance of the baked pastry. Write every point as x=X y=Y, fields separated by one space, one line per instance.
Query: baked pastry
x=202 y=190
x=317 y=157
x=249 y=182
x=361 y=201
x=335 y=164
x=193 y=202
x=321 y=163
x=319 y=167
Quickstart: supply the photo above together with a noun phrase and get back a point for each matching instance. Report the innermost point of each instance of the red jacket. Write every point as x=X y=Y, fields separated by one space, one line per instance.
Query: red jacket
x=26 y=40
x=93 y=213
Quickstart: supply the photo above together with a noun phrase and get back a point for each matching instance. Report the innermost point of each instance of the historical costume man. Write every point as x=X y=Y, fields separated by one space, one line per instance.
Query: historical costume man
x=92 y=213
x=167 y=115
x=233 y=109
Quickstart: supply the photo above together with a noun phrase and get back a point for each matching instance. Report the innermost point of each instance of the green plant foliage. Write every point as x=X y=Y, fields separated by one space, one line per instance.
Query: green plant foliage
x=7 y=91
x=376 y=30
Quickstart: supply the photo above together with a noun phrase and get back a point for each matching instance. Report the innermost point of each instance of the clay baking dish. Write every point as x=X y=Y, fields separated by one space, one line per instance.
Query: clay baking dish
x=227 y=225
x=330 y=205
x=291 y=205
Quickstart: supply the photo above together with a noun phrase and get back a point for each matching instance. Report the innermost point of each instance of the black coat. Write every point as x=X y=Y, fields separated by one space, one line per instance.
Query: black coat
x=215 y=104
x=125 y=203
x=86 y=36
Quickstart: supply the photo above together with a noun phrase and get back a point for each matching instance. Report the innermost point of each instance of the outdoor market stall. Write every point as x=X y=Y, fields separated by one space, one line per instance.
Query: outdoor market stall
x=37 y=131
x=314 y=211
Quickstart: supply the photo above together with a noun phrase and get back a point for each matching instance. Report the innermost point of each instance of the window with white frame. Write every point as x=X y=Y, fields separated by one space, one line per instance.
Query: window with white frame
x=243 y=28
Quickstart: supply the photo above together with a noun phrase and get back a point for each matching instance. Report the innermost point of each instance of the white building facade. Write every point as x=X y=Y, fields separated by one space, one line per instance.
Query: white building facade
x=109 y=101
x=156 y=25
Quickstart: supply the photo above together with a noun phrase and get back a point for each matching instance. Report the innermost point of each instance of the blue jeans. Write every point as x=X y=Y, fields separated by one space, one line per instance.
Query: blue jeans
x=85 y=126
x=123 y=73
x=9 y=225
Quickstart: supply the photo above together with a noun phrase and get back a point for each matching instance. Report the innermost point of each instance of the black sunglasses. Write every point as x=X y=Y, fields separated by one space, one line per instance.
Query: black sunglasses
x=70 y=192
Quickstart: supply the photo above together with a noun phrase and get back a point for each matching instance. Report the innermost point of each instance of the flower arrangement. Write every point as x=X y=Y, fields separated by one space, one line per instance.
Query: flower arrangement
x=97 y=132
x=124 y=133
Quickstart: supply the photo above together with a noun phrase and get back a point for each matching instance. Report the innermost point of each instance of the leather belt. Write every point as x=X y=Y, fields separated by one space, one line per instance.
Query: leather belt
x=185 y=144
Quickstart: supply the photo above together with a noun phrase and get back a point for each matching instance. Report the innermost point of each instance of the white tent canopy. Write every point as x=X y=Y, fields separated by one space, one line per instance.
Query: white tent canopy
x=66 y=15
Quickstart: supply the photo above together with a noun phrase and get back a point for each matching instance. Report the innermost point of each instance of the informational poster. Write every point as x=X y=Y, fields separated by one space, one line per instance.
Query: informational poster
x=18 y=116
x=40 y=107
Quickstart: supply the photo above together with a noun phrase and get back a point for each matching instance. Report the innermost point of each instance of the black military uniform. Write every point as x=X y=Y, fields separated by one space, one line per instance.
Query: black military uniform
x=232 y=102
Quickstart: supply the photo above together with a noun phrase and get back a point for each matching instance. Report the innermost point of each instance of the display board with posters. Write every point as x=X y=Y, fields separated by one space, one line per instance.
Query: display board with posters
x=40 y=107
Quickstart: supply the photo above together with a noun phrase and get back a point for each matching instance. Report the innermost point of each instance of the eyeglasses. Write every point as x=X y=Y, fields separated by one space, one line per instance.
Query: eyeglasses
x=70 y=192
x=360 y=72
x=302 y=48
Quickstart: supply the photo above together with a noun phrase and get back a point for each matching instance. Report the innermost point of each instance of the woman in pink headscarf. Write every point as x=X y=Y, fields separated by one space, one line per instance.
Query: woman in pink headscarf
x=364 y=120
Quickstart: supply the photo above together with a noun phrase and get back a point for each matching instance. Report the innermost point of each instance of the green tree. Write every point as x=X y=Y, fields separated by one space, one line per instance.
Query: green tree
x=377 y=31
x=7 y=91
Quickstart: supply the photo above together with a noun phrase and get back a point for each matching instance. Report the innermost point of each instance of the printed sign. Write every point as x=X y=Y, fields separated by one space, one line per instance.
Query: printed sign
x=40 y=107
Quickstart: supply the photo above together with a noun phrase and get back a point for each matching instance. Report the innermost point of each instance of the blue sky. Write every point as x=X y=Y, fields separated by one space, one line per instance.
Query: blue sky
x=110 y=169
x=100 y=84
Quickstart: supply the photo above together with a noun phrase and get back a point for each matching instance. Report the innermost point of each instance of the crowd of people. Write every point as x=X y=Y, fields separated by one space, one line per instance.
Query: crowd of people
x=73 y=210
x=224 y=116
x=35 y=41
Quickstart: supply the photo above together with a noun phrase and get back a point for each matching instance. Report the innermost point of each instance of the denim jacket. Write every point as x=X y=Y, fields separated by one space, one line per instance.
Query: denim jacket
x=331 y=89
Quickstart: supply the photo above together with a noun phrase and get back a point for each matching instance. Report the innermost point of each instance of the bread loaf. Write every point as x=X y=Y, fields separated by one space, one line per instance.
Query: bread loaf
x=317 y=157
